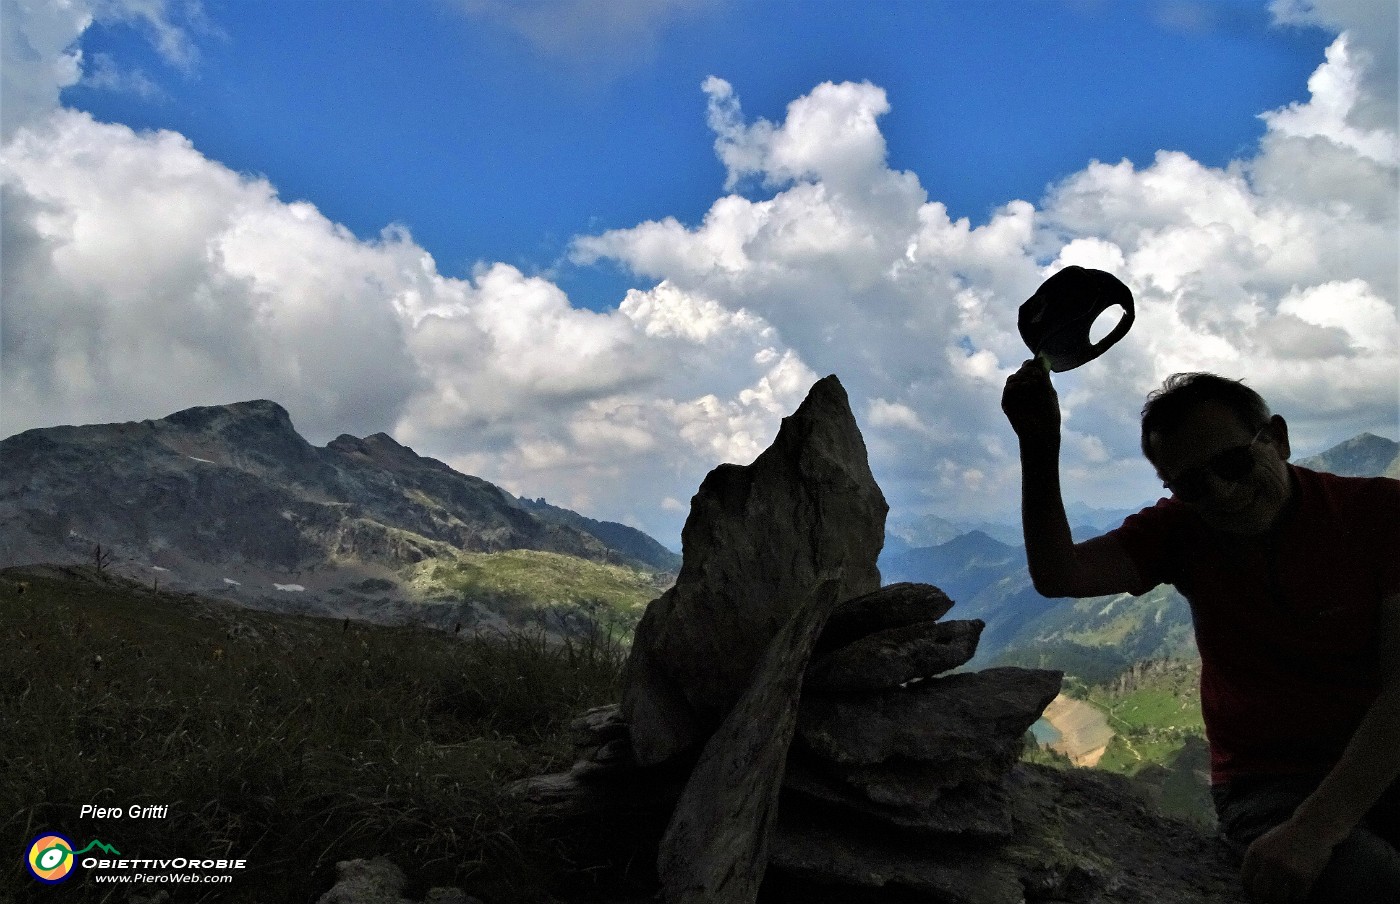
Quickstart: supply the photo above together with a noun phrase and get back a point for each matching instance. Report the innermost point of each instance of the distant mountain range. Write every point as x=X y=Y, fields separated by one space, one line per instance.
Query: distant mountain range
x=919 y=532
x=231 y=499
x=988 y=579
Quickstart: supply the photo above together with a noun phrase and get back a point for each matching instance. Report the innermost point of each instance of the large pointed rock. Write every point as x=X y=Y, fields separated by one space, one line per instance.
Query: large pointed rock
x=971 y=721
x=757 y=539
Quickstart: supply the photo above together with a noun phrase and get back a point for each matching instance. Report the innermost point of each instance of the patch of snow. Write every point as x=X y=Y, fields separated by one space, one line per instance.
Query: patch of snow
x=158 y=568
x=294 y=588
x=205 y=460
x=233 y=582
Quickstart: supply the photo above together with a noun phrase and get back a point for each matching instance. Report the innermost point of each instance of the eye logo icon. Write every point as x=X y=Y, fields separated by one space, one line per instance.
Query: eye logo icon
x=50 y=858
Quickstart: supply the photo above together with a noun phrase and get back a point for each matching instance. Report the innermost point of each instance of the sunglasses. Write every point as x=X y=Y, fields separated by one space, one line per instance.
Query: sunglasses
x=1232 y=465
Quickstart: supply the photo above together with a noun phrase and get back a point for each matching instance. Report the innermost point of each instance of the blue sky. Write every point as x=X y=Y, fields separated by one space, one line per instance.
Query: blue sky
x=489 y=147
x=588 y=250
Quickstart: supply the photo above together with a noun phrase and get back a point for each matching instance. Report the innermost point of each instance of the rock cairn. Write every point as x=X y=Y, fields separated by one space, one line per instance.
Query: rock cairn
x=791 y=731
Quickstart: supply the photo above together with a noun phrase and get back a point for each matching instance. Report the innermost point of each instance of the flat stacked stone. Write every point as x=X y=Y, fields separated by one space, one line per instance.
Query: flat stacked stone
x=889 y=745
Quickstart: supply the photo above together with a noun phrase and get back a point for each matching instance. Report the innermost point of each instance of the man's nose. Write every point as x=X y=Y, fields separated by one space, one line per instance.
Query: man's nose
x=1217 y=489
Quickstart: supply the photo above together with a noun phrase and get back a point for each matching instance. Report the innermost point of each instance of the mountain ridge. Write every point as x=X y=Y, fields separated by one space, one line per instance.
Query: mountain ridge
x=232 y=498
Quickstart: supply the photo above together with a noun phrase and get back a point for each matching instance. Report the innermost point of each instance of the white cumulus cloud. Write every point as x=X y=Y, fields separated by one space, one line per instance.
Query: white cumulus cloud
x=140 y=277
x=1279 y=268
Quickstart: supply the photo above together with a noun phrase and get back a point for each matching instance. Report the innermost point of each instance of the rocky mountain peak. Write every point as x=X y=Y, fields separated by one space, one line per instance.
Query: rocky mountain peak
x=257 y=414
x=976 y=541
x=382 y=450
x=1365 y=455
x=258 y=434
x=231 y=498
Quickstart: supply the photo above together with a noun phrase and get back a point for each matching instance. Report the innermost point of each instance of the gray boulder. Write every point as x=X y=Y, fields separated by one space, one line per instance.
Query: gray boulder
x=758 y=539
x=380 y=881
x=376 y=881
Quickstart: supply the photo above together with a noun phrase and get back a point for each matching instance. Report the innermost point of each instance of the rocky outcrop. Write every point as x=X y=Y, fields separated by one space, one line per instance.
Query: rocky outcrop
x=909 y=794
x=758 y=539
x=791 y=733
x=967 y=724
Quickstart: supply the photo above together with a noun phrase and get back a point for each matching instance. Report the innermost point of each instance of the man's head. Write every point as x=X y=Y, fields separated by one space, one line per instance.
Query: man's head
x=1218 y=449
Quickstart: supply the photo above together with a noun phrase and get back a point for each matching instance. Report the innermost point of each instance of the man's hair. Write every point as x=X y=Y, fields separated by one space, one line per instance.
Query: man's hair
x=1167 y=406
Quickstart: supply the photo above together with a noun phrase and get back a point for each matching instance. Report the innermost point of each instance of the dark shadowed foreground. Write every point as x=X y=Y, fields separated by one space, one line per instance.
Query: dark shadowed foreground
x=789 y=731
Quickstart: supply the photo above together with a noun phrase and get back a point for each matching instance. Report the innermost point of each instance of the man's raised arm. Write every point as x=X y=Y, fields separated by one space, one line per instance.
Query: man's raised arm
x=1058 y=565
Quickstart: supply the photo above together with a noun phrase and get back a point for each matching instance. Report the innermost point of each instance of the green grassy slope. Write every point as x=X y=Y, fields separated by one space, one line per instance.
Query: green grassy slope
x=1154 y=625
x=1152 y=710
x=517 y=581
x=292 y=742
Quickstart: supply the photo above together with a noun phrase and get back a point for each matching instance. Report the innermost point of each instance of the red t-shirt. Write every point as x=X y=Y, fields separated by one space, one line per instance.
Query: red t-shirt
x=1288 y=625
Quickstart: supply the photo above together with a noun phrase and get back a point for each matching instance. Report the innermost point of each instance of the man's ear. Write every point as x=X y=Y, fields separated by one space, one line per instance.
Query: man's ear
x=1279 y=428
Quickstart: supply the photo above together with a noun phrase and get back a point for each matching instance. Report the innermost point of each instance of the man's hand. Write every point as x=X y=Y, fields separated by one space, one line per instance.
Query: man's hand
x=1283 y=864
x=1031 y=404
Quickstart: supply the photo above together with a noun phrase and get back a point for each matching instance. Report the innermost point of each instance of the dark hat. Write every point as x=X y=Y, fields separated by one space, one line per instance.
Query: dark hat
x=1055 y=321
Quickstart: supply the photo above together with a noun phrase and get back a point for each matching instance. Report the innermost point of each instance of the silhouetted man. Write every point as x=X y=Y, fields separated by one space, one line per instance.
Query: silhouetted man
x=1293 y=577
